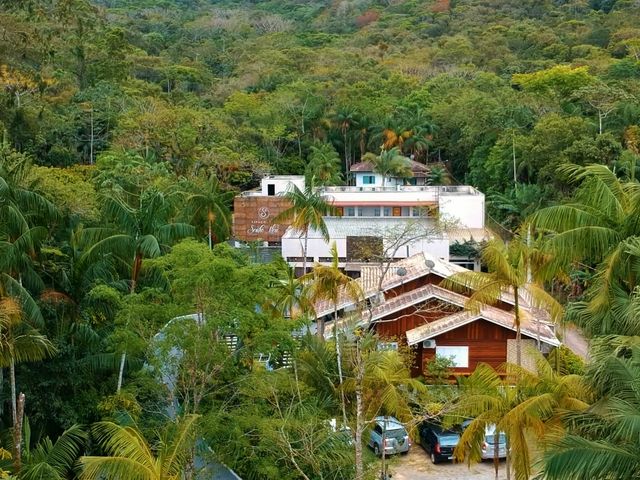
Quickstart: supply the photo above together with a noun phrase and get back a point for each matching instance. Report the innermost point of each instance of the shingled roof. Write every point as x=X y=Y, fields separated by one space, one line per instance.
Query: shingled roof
x=528 y=325
x=418 y=169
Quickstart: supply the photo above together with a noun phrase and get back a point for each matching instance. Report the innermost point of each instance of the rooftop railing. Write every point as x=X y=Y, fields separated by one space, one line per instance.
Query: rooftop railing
x=438 y=190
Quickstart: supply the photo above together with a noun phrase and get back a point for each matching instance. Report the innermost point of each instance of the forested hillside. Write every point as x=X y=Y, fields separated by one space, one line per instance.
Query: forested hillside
x=128 y=125
x=240 y=88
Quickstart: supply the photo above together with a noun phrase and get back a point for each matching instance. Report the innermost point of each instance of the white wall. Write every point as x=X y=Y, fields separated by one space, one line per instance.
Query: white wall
x=466 y=210
x=282 y=183
x=317 y=247
x=390 y=182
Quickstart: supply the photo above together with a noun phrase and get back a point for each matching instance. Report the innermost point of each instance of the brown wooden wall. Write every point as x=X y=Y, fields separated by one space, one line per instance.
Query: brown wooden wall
x=487 y=343
x=253 y=218
x=397 y=324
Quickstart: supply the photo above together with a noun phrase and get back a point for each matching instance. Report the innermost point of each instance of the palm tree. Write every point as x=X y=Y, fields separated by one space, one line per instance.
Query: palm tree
x=19 y=342
x=324 y=165
x=381 y=383
x=290 y=298
x=130 y=457
x=514 y=268
x=307 y=211
x=327 y=282
x=535 y=407
x=598 y=227
x=143 y=231
x=603 y=440
x=53 y=460
x=438 y=176
x=390 y=163
x=212 y=203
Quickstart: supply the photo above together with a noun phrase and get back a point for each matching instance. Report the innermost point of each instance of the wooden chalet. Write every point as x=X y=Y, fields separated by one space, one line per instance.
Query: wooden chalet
x=408 y=306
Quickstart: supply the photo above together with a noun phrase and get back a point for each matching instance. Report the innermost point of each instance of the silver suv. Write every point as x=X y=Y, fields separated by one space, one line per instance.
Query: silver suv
x=388 y=431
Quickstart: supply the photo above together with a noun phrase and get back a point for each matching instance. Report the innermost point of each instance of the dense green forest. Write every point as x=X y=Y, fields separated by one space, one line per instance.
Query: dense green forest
x=128 y=125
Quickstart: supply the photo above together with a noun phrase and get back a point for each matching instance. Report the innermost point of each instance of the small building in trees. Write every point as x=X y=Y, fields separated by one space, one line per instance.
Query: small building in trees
x=364 y=175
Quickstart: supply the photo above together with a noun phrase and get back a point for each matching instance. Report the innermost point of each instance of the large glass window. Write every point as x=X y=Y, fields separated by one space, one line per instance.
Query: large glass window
x=459 y=355
x=350 y=212
x=368 y=179
x=376 y=211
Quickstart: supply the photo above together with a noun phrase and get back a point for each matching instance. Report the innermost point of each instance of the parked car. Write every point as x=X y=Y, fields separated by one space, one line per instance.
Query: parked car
x=396 y=438
x=437 y=441
x=488 y=444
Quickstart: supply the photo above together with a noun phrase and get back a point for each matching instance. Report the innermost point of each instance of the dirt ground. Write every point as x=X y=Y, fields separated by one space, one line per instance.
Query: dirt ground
x=416 y=465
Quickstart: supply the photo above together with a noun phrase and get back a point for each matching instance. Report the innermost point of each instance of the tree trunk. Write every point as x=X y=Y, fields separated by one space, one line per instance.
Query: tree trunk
x=518 y=333
x=210 y=233
x=508 y=461
x=600 y=117
x=135 y=271
x=359 y=413
x=304 y=252
x=17 y=435
x=339 y=355
x=12 y=380
x=496 y=452
x=123 y=358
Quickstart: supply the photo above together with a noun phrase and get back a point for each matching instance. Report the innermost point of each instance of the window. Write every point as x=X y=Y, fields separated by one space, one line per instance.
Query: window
x=387 y=211
x=271 y=189
x=376 y=211
x=459 y=355
x=397 y=211
x=368 y=179
x=350 y=212
x=383 y=346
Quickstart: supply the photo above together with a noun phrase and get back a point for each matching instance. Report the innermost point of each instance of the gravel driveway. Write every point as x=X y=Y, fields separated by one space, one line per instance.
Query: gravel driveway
x=417 y=466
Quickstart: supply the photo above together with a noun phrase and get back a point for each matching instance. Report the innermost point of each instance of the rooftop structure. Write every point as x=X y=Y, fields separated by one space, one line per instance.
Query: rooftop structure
x=254 y=211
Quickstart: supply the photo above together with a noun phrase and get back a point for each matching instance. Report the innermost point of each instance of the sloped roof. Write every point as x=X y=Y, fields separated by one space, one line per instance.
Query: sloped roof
x=416 y=266
x=418 y=169
x=528 y=326
x=414 y=297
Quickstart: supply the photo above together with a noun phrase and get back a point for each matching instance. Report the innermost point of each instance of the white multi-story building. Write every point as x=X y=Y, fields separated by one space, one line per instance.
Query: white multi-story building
x=375 y=223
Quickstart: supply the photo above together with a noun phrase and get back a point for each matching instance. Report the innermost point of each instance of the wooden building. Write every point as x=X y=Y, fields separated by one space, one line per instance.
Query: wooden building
x=410 y=307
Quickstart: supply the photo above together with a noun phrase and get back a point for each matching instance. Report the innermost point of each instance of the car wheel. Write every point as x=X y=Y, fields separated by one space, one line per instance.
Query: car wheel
x=376 y=449
x=434 y=459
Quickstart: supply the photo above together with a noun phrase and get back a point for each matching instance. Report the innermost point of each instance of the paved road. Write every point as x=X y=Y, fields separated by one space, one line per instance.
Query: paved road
x=417 y=466
x=574 y=340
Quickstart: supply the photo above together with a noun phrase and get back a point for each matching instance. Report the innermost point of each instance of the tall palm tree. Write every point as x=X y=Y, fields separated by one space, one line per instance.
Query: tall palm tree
x=129 y=455
x=600 y=226
x=19 y=342
x=535 y=407
x=390 y=163
x=603 y=440
x=307 y=211
x=142 y=231
x=212 y=203
x=514 y=268
x=327 y=282
x=381 y=382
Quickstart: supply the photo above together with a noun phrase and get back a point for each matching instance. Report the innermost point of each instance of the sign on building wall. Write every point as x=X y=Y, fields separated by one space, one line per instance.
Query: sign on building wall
x=253 y=218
